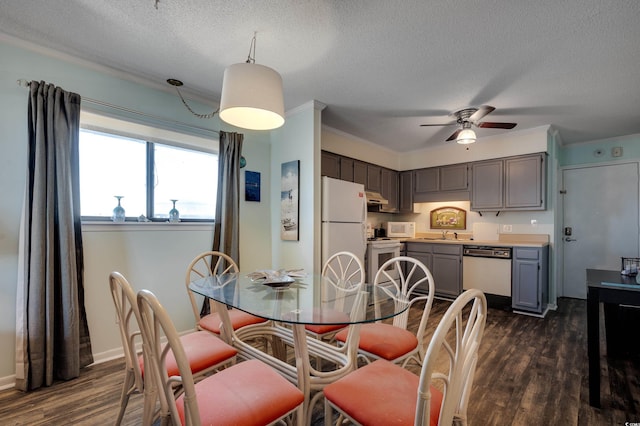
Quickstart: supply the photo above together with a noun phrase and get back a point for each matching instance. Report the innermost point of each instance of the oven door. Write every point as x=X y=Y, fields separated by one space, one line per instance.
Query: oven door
x=378 y=252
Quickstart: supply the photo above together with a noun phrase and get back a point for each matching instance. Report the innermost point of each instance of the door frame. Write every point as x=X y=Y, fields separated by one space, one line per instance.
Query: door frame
x=559 y=229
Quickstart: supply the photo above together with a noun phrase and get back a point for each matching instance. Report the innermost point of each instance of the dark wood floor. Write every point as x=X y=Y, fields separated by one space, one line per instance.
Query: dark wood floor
x=531 y=371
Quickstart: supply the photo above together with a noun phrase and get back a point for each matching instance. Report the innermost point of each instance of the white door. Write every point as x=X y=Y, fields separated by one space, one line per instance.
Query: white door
x=601 y=210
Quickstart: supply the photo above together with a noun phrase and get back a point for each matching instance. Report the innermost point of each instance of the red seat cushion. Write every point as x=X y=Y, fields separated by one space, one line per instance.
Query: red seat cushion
x=338 y=320
x=238 y=318
x=249 y=393
x=381 y=393
x=383 y=340
x=203 y=350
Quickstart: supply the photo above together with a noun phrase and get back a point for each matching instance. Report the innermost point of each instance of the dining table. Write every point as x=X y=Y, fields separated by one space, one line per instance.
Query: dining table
x=289 y=305
x=612 y=289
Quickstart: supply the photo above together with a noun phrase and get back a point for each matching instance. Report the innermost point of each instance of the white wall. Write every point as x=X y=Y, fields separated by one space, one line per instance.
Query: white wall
x=297 y=140
x=151 y=255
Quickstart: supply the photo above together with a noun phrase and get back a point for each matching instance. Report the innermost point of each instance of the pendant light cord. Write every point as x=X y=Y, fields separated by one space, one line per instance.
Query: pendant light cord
x=184 y=102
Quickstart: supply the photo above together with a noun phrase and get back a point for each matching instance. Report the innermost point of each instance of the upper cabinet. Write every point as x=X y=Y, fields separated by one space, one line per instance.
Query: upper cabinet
x=427 y=180
x=374 y=178
x=487 y=185
x=330 y=165
x=445 y=183
x=454 y=177
x=346 y=168
x=405 y=192
x=360 y=172
x=525 y=182
x=512 y=183
x=389 y=190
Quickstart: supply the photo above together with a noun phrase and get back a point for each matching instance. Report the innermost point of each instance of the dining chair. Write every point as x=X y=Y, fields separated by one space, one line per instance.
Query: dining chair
x=402 y=276
x=204 y=351
x=247 y=393
x=345 y=271
x=205 y=265
x=383 y=393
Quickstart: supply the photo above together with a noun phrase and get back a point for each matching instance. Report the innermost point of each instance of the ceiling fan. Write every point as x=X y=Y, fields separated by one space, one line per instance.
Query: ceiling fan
x=468 y=117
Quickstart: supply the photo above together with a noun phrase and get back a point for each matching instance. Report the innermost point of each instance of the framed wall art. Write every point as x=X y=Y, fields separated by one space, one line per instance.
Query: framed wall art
x=448 y=218
x=251 y=186
x=289 y=200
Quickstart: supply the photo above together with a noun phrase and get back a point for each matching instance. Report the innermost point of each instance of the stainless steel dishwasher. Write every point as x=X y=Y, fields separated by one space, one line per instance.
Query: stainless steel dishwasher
x=487 y=268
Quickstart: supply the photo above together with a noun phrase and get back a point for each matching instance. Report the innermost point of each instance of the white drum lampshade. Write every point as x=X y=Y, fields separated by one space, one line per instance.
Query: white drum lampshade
x=252 y=97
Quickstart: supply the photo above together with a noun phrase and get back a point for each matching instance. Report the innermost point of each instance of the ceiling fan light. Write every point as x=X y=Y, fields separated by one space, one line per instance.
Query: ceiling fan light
x=252 y=97
x=466 y=136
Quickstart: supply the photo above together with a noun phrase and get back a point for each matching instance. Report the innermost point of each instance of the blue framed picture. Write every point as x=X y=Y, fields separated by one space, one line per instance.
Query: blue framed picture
x=251 y=186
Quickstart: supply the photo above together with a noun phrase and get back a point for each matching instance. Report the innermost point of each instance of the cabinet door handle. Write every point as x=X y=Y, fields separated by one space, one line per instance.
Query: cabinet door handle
x=569 y=239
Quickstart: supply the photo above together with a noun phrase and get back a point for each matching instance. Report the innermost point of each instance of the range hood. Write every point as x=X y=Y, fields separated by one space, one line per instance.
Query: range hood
x=375 y=199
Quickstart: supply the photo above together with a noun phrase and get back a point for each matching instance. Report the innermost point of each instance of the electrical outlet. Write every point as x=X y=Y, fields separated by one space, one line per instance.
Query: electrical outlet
x=507 y=228
x=534 y=222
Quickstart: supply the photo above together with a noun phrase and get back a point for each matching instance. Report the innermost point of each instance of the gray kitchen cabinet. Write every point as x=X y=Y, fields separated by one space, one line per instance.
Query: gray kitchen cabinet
x=421 y=252
x=525 y=182
x=447 y=269
x=330 y=165
x=405 y=192
x=346 y=169
x=389 y=190
x=374 y=178
x=445 y=183
x=529 y=279
x=444 y=178
x=445 y=263
x=427 y=180
x=360 y=172
x=512 y=183
x=453 y=178
x=487 y=185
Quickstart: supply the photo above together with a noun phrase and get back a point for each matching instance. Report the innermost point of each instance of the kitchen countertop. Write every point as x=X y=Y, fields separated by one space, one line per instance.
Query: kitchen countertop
x=505 y=240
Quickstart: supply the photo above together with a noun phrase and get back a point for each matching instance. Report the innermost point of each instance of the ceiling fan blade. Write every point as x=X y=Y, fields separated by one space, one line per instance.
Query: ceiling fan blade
x=444 y=124
x=454 y=135
x=481 y=112
x=490 y=125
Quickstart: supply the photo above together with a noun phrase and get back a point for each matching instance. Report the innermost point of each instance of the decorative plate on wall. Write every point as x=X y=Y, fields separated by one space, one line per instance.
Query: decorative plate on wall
x=448 y=218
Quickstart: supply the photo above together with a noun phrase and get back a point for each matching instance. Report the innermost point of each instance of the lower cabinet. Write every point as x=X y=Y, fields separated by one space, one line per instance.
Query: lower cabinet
x=529 y=279
x=445 y=263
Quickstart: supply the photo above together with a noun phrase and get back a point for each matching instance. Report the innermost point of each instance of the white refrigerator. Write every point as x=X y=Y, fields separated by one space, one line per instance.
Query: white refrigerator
x=344 y=218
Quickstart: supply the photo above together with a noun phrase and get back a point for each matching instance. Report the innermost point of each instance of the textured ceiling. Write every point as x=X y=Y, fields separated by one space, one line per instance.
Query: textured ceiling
x=382 y=67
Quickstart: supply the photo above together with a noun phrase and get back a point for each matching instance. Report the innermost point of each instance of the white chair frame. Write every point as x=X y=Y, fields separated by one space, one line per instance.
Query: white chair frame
x=465 y=319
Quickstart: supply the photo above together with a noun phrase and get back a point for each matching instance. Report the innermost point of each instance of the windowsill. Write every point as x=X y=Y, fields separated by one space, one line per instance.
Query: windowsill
x=103 y=226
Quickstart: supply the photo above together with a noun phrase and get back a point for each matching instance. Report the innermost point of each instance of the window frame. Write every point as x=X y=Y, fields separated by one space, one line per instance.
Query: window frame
x=109 y=125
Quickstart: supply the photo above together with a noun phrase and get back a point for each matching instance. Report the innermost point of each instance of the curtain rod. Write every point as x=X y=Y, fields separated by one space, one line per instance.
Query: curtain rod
x=26 y=83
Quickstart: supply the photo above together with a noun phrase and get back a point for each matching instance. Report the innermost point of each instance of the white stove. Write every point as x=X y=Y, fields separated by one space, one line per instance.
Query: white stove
x=380 y=250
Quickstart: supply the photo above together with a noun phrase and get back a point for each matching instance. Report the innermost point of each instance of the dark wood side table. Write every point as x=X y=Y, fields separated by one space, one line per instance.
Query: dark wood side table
x=608 y=287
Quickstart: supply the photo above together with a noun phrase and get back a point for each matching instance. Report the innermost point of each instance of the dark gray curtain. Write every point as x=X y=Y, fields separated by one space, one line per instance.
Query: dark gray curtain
x=52 y=335
x=226 y=231
x=226 y=237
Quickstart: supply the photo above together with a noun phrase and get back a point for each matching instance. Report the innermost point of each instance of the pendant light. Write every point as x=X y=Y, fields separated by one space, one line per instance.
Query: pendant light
x=251 y=95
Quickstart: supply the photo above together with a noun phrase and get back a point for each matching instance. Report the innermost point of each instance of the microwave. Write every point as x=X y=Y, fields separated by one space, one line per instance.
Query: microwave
x=400 y=229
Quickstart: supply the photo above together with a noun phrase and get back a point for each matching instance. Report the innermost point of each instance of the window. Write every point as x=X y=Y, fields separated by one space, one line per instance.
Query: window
x=148 y=175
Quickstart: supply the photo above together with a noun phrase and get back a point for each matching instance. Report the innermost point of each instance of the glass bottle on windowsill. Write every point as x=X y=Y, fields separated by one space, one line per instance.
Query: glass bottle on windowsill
x=174 y=214
x=118 y=211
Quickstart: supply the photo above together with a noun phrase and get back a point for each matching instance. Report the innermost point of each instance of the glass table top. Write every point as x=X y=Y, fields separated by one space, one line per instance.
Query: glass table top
x=307 y=300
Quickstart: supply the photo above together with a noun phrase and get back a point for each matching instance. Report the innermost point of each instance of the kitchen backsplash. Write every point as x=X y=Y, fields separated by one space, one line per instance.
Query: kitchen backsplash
x=488 y=225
